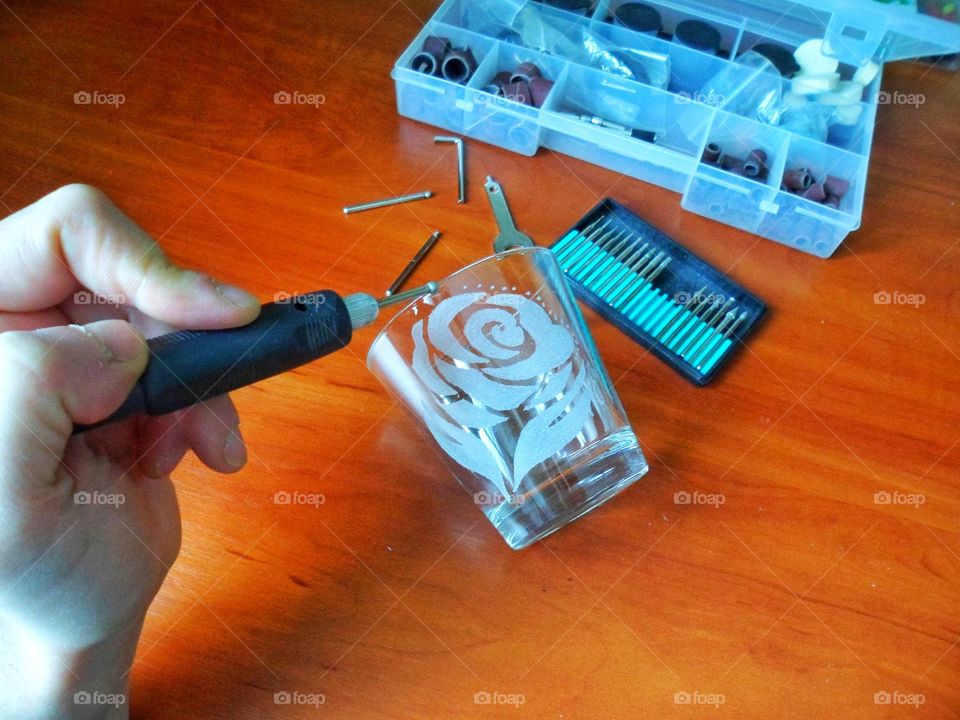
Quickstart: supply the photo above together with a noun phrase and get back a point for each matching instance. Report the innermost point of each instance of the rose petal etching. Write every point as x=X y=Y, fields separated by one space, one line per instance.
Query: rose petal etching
x=466 y=449
x=440 y=334
x=548 y=432
x=494 y=394
x=473 y=416
x=553 y=343
x=509 y=334
x=422 y=365
x=556 y=384
x=554 y=347
x=509 y=357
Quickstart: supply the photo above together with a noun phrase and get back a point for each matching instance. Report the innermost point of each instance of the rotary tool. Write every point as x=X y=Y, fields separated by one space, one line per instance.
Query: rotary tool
x=189 y=366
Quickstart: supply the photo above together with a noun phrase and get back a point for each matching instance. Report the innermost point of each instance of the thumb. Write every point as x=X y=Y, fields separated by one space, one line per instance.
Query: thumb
x=53 y=378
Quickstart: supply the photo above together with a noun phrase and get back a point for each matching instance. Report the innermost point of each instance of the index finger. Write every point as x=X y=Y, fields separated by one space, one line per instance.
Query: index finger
x=77 y=238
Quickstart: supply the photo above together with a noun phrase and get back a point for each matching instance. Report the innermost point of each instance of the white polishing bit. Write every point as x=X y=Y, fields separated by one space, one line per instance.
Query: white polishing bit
x=866 y=73
x=805 y=84
x=794 y=100
x=847 y=115
x=845 y=93
x=811 y=58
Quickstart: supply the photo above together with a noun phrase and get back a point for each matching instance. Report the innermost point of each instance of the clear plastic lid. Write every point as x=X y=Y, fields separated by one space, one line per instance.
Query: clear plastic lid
x=855 y=30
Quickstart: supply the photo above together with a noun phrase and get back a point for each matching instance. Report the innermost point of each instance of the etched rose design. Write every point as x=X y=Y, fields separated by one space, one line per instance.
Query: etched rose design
x=493 y=359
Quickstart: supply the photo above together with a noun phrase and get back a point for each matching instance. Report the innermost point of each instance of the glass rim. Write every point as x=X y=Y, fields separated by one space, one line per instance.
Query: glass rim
x=533 y=249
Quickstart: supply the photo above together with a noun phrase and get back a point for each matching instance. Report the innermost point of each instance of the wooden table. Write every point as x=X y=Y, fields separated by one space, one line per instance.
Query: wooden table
x=800 y=596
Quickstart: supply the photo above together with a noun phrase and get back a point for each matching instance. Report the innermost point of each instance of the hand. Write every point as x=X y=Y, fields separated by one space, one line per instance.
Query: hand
x=89 y=525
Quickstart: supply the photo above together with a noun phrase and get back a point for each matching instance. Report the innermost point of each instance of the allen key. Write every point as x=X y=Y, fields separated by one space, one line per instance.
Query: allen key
x=461 y=174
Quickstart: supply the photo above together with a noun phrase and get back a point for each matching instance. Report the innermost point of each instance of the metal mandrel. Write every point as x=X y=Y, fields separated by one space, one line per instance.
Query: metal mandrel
x=412 y=265
x=373 y=204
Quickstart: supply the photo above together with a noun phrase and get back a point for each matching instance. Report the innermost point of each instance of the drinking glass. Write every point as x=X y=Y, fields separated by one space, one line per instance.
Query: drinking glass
x=500 y=369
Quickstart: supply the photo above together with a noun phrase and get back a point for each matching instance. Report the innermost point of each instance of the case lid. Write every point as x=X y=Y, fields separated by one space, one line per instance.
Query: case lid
x=856 y=30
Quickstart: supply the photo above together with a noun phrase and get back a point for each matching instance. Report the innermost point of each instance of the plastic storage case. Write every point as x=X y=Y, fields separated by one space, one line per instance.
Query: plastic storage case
x=686 y=122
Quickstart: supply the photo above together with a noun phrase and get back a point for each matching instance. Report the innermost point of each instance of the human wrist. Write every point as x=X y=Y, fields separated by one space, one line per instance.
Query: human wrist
x=40 y=681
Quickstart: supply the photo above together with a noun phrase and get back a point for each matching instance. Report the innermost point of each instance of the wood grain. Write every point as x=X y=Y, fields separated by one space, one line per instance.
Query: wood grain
x=798 y=597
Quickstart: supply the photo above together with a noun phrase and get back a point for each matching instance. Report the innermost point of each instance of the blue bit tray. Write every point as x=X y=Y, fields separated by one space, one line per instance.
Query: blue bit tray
x=657 y=292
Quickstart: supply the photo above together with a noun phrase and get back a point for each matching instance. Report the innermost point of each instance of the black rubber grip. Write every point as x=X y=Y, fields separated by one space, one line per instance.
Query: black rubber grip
x=189 y=366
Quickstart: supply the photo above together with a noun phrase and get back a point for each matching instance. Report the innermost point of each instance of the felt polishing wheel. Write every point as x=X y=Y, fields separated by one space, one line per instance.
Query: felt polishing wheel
x=639 y=17
x=781 y=58
x=811 y=57
x=580 y=7
x=698 y=35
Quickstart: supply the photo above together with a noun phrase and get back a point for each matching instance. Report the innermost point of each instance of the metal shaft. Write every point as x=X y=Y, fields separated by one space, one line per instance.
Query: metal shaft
x=347 y=210
x=430 y=287
x=411 y=266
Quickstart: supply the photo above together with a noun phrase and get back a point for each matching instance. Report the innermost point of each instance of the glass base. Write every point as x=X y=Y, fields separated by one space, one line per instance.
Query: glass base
x=590 y=478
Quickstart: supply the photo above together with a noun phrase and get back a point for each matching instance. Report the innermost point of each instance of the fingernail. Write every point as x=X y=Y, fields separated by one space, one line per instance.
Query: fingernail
x=236 y=296
x=234 y=450
x=114 y=347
